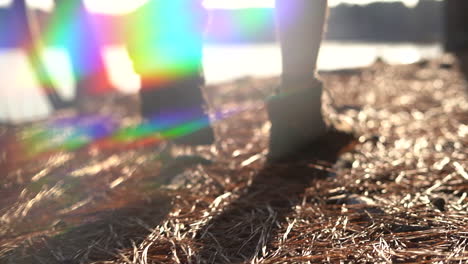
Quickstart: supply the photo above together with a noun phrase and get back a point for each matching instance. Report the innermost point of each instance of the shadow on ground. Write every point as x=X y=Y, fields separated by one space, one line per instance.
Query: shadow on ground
x=98 y=237
x=246 y=227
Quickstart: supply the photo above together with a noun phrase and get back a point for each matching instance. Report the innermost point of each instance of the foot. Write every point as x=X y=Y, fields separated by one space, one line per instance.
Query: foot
x=296 y=121
x=203 y=136
x=178 y=107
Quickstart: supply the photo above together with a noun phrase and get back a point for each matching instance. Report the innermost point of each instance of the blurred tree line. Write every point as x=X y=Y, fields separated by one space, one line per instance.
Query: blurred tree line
x=379 y=21
x=387 y=21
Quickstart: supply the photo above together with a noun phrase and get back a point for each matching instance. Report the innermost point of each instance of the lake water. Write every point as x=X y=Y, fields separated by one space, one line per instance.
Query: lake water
x=20 y=98
x=229 y=62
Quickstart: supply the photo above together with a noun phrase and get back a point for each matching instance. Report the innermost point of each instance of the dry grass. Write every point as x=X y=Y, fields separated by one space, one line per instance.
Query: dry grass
x=397 y=195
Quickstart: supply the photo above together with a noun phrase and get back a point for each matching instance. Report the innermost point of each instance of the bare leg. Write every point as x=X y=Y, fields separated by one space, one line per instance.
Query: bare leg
x=295 y=112
x=167 y=54
x=456 y=37
x=300 y=29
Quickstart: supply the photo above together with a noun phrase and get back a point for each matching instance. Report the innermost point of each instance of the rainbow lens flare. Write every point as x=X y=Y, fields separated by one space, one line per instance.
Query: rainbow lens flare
x=73 y=28
x=165 y=44
x=165 y=39
x=104 y=132
x=238 y=26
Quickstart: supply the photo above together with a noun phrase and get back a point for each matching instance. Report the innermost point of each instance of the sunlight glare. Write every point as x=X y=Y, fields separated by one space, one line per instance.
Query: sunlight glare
x=238 y=3
x=409 y=3
x=46 y=5
x=120 y=69
x=5 y=2
x=125 y=6
x=113 y=6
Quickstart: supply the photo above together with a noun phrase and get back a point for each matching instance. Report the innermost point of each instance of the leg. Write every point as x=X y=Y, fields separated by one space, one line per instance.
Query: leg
x=295 y=112
x=167 y=54
x=456 y=39
x=300 y=29
x=83 y=48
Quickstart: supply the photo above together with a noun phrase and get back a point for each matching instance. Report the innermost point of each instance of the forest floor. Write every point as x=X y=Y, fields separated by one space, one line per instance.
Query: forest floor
x=396 y=192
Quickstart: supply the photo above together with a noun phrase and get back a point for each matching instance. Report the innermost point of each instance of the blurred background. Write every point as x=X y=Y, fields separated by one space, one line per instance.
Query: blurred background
x=240 y=41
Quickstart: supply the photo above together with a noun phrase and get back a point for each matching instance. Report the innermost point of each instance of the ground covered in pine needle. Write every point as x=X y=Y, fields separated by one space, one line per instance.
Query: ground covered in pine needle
x=397 y=192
